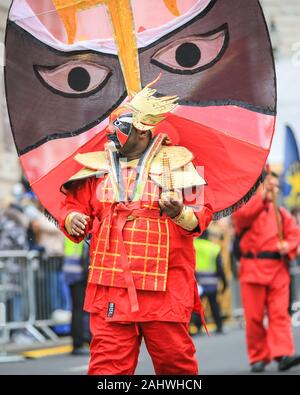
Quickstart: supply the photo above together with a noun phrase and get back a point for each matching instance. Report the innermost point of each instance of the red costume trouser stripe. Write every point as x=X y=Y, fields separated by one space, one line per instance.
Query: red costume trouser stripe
x=265 y=344
x=115 y=347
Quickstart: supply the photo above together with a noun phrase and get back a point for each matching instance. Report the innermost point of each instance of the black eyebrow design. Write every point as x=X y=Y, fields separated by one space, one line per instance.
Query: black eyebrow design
x=223 y=28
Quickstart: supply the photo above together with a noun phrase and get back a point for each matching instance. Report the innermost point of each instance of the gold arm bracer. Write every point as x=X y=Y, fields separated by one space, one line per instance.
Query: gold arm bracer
x=186 y=219
x=68 y=221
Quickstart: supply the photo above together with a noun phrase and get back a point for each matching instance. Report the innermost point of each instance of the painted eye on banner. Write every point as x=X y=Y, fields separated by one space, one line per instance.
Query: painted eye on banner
x=74 y=79
x=193 y=54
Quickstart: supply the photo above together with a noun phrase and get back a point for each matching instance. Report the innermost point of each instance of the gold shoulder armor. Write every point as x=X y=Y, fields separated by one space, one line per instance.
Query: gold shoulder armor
x=93 y=160
x=94 y=164
x=183 y=172
x=178 y=157
x=81 y=175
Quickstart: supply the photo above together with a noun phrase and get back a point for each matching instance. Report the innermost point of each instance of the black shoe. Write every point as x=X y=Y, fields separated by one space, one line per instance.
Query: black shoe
x=219 y=331
x=258 y=367
x=288 y=362
x=81 y=351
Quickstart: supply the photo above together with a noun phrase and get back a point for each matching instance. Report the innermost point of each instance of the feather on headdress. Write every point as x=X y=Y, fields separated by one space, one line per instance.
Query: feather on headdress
x=148 y=110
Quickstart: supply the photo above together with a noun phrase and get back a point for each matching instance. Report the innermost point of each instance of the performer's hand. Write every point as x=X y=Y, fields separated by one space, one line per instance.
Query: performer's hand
x=283 y=247
x=78 y=224
x=166 y=140
x=171 y=206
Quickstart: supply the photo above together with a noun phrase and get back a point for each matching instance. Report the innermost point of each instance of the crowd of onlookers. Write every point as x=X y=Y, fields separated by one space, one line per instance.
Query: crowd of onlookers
x=23 y=226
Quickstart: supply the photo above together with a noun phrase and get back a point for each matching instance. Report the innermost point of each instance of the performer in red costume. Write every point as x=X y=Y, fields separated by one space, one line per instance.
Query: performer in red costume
x=80 y=60
x=264 y=277
x=141 y=275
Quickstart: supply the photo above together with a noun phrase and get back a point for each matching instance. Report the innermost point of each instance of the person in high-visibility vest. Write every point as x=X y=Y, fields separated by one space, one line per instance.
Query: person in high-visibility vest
x=209 y=271
x=75 y=273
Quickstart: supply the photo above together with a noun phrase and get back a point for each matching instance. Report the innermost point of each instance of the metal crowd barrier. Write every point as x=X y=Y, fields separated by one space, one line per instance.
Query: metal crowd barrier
x=31 y=289
x=50 y=290
x=17 y=290
x=16 y=297
x=295 y=282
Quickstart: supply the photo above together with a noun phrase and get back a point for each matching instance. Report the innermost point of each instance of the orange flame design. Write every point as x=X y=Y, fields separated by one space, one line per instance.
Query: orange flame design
x=121 y=15
x=172 y=7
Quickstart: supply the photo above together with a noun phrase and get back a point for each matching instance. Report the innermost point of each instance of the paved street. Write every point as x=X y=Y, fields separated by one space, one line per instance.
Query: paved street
x=223 y=354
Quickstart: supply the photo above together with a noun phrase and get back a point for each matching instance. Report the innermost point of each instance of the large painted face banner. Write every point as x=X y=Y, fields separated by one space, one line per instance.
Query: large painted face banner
x=70 y=63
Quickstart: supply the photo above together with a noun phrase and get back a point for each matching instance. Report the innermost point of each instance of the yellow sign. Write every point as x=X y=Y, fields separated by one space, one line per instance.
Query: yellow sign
x=293 y=179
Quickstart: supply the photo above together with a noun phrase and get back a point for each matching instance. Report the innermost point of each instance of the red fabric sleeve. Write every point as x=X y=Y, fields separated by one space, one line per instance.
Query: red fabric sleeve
x=205 y=216
x=291 y=232
x=245 y=216
x=78 y=198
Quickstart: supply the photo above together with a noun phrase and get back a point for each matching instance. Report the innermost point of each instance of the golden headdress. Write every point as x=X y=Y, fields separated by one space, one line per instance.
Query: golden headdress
x=148 y=110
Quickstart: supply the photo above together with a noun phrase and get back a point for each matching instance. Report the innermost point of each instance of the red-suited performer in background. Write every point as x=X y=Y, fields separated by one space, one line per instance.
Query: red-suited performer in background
x=141 y=275
x=264 y=277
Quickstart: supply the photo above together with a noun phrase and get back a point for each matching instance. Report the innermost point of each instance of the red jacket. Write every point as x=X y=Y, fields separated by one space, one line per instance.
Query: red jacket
x=105 y=290
x=257 y=220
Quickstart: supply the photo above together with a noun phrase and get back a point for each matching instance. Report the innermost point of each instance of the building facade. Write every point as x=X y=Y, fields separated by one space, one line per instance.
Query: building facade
x=9 y=164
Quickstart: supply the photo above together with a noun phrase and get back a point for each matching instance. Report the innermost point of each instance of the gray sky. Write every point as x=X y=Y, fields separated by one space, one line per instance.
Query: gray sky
x=288 y=82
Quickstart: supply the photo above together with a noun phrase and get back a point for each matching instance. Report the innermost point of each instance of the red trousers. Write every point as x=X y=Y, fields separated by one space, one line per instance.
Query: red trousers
x=265 y=344
x=115 y=347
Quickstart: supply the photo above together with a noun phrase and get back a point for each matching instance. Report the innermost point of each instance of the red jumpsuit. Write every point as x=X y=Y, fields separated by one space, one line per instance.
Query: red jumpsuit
x=264 y=278
x=160 y=271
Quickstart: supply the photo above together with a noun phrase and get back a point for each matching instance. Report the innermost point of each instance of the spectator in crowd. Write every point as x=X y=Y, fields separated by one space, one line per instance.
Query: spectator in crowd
x=209 y=273
x=14 y=222
x=75 y=268
x=47 y=237
x=295 y=211
x=13 y=237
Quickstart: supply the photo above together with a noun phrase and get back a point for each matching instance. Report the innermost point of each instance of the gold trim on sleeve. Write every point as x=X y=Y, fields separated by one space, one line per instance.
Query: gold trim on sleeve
x=186 y=219
x=68 y=222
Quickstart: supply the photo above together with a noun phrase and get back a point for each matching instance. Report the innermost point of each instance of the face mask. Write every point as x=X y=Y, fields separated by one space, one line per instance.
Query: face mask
x=119 y=129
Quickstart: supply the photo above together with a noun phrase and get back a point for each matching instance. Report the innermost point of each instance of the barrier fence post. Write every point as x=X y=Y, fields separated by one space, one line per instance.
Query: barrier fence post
x=4 y=339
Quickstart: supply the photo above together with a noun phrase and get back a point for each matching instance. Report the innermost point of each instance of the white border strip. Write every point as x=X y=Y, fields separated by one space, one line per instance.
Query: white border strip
x=22 y=14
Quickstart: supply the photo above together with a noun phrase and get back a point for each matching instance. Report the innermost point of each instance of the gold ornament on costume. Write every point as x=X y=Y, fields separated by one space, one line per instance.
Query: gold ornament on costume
x=148 y=110
x=167 y=180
